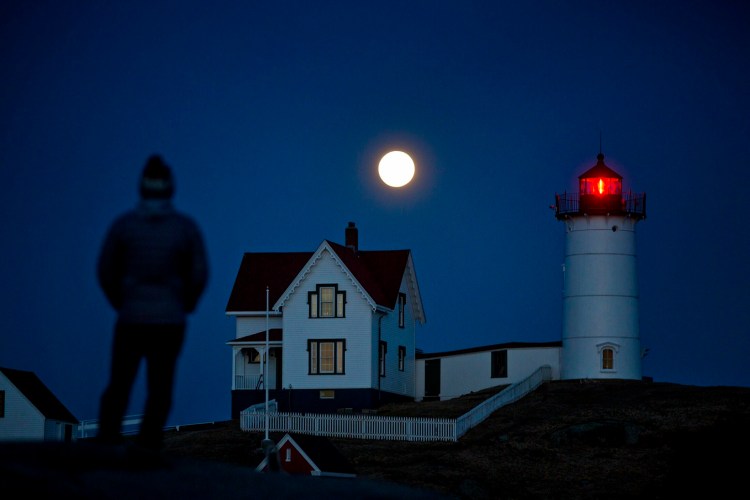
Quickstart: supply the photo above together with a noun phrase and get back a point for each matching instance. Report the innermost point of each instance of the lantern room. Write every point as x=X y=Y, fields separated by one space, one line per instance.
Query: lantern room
x=600 y=188
x=600 y=193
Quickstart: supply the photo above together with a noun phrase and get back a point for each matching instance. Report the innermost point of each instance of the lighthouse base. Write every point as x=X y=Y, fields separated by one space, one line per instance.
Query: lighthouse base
x=598 y=358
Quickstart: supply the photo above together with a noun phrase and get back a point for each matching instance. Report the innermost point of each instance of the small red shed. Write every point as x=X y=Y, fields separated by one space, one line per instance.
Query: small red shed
x=309 y=455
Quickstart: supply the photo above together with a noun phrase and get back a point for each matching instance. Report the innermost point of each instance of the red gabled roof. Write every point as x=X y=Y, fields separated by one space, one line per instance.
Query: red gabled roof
x=258 y=270
x=39 y=395
x=379 y=272
x=321 y=455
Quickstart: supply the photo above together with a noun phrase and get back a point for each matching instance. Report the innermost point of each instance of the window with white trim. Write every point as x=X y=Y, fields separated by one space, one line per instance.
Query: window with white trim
x=401 y=358
x=253 y=355
x=326 y=357
x=327 y=302
x=607 y=354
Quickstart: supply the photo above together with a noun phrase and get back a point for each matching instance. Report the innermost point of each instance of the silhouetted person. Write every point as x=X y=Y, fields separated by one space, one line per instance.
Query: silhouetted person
x=153 y=270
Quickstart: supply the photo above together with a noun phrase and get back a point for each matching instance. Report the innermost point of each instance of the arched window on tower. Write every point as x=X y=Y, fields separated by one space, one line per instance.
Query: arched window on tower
x=607 y=353
x=608 y=359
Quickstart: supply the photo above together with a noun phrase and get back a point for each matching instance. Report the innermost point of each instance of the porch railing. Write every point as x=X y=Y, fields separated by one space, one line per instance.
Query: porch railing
x=391 y=428
x=244 y=382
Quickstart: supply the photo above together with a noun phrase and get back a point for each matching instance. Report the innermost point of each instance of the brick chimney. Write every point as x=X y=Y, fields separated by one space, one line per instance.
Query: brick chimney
x=351 y=236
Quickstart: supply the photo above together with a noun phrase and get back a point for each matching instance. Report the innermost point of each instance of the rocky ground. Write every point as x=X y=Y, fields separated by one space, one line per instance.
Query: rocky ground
x=567 y=440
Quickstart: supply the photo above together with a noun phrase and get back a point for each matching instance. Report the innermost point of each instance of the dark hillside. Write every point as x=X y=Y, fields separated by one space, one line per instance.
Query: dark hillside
x=599 y=439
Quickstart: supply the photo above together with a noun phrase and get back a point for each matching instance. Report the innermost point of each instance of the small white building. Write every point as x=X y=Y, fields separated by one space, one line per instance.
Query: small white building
x=450 y=374
x=29 y=410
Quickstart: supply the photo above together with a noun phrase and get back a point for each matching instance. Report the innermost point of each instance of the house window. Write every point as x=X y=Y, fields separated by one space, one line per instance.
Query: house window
x=401 y=357
x=381 y=357
x=327 y=394
x=2 y=404
x=288 y=454
x=499 y=364
x=608 y=358
x=253 y=356
x=326 y=356
x=327 y=302
x=401 y=309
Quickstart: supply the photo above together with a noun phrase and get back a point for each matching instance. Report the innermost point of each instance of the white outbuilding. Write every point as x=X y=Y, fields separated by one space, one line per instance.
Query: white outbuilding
x=30 y=411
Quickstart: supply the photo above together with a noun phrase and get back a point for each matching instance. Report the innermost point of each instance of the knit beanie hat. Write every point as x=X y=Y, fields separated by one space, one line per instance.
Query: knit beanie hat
x=156 y=181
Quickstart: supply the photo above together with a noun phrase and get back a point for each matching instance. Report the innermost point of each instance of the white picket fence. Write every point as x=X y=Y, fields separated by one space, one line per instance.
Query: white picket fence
x=363 y=426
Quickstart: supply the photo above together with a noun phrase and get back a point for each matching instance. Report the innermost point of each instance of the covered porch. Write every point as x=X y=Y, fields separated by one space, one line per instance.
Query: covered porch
x=252 y=356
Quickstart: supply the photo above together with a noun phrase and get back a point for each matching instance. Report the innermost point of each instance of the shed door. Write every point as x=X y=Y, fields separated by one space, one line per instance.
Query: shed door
x=432 y=379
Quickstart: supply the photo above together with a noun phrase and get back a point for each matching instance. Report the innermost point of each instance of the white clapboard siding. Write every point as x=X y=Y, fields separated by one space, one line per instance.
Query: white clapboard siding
x=355 y=328
x=395 y=380
x=22 y=420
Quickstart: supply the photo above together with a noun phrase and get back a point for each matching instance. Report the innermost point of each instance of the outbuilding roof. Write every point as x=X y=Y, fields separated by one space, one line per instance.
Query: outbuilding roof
x=491 y=347
x=39 y=395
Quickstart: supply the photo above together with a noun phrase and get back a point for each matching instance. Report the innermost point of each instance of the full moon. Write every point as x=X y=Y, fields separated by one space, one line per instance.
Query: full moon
x=396 y=169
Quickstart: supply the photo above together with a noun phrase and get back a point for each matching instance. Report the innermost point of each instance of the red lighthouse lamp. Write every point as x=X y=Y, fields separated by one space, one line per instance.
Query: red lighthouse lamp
x=600 y=189
x=600 y=193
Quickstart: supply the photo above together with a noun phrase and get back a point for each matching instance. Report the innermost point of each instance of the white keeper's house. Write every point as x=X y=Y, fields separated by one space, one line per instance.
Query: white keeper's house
x=337 y=325
x=340 y=323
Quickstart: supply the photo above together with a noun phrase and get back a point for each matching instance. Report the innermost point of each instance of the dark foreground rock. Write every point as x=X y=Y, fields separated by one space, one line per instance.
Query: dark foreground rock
x=566 y=440
x=84 y=471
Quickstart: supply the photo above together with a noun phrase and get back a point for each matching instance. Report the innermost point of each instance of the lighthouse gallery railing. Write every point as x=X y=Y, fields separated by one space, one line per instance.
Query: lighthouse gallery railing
x=633 y=204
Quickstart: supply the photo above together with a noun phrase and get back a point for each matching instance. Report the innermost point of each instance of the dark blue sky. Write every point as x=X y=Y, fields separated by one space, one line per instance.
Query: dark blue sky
x=274 y=115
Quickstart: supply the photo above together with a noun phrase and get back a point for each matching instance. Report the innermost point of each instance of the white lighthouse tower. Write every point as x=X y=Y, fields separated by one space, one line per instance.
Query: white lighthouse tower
x=600 y=287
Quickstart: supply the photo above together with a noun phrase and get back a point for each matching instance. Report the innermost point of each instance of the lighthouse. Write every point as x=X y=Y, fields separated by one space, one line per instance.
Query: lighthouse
x=600 y=331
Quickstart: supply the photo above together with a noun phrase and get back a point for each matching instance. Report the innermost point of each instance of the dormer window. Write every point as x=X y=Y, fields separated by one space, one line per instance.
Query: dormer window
x=327 y=302
x=401 y=309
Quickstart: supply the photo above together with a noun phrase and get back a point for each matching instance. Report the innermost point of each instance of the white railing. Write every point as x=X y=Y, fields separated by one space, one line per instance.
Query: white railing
x=273 y=407
x=390 y=428
x=242 y=382
x=88 y=428
x=479 y=413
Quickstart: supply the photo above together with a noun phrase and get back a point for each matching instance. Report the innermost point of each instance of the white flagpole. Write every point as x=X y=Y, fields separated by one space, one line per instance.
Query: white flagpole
x=265 y=373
